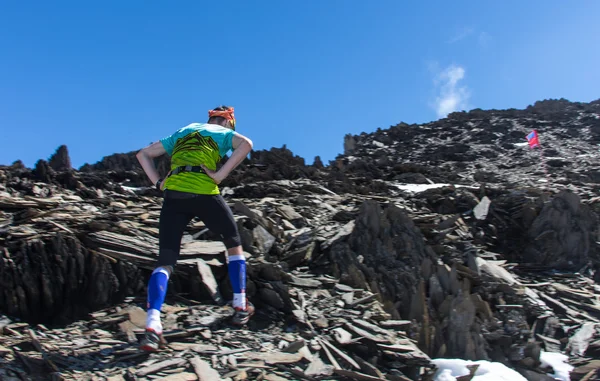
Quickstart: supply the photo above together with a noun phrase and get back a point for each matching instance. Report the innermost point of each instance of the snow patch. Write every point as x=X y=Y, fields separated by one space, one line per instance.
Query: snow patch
x=558 y=362
x=417 y=188
x=132 y=189
x=449 y=369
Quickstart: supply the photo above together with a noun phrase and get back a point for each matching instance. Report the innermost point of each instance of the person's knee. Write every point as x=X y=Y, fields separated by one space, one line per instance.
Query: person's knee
x=232 y=241
x=167 y=257
x=167 y=270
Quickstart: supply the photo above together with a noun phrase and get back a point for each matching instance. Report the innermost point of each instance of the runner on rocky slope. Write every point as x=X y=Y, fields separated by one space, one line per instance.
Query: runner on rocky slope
x=191 y=190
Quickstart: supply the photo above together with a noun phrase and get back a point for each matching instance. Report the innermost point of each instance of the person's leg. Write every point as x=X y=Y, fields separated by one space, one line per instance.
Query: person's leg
x=172 y=223
x=237 y=275
x=157 y=289
x=218 y=218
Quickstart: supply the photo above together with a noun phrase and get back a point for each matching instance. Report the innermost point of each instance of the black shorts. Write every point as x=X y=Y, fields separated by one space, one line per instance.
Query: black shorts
x=177 y=211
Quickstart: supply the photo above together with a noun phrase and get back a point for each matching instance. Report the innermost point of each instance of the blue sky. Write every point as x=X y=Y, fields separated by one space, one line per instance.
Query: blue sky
x=112 y=76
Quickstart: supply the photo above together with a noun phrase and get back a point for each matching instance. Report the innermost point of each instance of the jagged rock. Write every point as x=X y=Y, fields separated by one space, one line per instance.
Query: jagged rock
x=349 y=144
x=318 y=163
x=564 y=235
x=274 y=164
x=18 y=164
x=124 y=167
x=481 y=210
x=56 y=279
x=60 y=160
x=461 y=343
x=43 y=172
x=264 y=240
x=383 y=252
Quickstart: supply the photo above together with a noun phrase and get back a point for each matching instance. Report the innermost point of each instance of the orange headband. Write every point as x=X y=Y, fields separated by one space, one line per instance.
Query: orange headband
x=227 y=114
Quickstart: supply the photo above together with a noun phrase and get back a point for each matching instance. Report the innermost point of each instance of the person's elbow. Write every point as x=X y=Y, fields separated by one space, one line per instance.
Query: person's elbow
x=153 y=150
x=144 y=155
x=141 y=155
x=249 y=143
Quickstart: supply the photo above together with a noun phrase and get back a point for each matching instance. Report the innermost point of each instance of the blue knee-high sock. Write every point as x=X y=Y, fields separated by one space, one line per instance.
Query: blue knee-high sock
x=157 y=288
x=237 y=276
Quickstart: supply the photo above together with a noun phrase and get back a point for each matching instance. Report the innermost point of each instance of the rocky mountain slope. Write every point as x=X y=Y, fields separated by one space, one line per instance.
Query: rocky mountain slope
x=485 y=147
x=448 y=239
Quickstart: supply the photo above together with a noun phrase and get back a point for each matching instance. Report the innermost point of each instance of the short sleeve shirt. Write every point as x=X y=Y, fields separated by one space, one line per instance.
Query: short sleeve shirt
x=196 y=144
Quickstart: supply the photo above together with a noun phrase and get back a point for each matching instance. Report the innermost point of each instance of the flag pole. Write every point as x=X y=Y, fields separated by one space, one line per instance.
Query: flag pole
x=544 y=164
x=534 y=142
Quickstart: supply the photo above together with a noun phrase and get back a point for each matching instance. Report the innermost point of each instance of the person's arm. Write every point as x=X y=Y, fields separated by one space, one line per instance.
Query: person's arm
x=146 y=158
x=241 y=148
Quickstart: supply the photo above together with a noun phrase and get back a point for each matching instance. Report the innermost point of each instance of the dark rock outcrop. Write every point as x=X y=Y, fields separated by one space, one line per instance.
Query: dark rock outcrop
x=385 y=252
x=56 y=279
x=564 y=235
x=60 y=160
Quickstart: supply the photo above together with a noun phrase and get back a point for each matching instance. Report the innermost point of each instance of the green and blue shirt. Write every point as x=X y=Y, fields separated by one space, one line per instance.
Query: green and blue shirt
x=197 y=144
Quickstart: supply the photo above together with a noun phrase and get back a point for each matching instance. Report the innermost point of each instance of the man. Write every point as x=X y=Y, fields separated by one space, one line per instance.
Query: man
x=191 y=190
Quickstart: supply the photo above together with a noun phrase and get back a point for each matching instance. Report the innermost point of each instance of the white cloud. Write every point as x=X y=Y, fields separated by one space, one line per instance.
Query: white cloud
x=461 y=34
x=451 y=95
